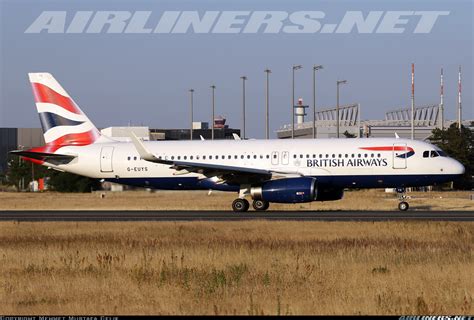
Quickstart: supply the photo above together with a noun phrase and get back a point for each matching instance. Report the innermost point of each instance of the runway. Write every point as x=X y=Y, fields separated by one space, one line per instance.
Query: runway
x=231 y=216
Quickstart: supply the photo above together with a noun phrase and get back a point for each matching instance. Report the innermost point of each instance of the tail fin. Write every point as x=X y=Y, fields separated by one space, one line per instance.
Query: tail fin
x=62 y=120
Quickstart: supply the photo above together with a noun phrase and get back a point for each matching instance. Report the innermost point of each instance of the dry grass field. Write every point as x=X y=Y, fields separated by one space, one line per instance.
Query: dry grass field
x=246 y=267
x=199 y=200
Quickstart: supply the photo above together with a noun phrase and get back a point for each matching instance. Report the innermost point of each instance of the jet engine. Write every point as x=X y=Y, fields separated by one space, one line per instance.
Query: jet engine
x=295 y=190
x=291 y=190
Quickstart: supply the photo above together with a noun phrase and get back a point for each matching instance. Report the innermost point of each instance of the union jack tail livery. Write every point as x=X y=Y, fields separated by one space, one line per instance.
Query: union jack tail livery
x=63 y=122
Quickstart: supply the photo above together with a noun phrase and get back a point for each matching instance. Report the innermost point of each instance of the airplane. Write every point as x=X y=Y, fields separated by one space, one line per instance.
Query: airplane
x=266 y=171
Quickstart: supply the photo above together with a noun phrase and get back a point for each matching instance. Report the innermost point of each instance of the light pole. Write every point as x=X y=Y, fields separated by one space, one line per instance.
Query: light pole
x=213 y=109
x=315 y=68
x=243 y=106
x=267 y=102
x=295 y=67
x=191 y=92
x=337 y=104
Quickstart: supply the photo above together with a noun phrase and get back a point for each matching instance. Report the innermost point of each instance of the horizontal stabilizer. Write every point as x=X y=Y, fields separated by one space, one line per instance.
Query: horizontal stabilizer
x=42 y=156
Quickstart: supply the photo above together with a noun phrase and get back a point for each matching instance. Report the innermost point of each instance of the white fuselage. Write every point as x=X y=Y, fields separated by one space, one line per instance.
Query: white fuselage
x=357 y=163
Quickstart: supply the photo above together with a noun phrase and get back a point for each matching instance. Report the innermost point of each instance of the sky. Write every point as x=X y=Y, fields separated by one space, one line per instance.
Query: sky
x=143 y=79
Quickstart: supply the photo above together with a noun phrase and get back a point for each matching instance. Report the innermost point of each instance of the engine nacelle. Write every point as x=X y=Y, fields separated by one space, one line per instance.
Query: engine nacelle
x=291 y=190
x=328 y=193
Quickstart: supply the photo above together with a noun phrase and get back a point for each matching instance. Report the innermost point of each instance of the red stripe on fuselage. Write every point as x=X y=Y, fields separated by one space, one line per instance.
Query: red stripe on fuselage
x=45 y=94
x=389 y=148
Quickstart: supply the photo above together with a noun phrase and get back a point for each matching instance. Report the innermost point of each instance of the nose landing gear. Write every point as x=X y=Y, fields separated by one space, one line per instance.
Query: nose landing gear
x=403 y=205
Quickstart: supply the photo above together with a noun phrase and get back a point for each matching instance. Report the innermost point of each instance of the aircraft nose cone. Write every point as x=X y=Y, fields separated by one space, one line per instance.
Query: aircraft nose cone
x=458 y=168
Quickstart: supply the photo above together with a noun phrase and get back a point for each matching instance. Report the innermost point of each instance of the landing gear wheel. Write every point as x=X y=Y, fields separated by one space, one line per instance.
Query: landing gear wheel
x=403 y=206
x=260 y=205
x=240 y=205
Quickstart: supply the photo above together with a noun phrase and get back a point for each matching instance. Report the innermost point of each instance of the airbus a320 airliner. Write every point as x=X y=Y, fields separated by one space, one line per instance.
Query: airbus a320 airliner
x=282 y=171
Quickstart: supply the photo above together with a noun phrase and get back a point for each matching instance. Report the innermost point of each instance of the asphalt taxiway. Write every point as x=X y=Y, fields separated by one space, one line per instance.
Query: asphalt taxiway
x=231 y=216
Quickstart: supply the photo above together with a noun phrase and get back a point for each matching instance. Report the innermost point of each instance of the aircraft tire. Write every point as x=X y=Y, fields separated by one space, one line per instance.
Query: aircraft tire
x=403 y=206
x=240 y=205
x=260 y=205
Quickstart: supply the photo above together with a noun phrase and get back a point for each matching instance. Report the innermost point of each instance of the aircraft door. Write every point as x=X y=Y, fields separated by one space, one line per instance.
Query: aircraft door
x=285 y=158
x=106 y=159
x=275 y=159
x=399 y=155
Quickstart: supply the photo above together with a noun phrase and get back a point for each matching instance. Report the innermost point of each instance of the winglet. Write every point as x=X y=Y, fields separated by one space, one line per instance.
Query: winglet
x=142 y=151
x=202 y=138
x=236 y=136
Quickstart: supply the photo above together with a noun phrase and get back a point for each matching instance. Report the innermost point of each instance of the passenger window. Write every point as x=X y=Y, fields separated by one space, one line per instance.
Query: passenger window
x=235 y=156
x=346 y=155
x=340 y=155
x=172 y=157
x=301 y=156
x=426 y=154
x=229 y=157
x=203 y=157
x=320 y=155
x=191 y=157
x=268 y=156
x=255 y=156
x=378 y=155
x=197 y=157
x=128 y=158
x=352 y=155
x=261 y=156
x=371 y=155
x=365 y=155
x=248 y=156
x=307 y=156
x=242 y=156
x=134 y=158
x=275 y=156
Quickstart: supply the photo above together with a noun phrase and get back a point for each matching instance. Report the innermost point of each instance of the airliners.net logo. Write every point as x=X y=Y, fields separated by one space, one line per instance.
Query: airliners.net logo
x=235 y=22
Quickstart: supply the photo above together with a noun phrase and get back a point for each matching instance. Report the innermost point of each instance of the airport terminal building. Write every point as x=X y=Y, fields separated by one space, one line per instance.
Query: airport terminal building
x=426 y=119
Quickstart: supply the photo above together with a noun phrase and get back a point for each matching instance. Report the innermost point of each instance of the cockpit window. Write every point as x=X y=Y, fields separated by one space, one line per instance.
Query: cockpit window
x=426 y=154
x=434 y=154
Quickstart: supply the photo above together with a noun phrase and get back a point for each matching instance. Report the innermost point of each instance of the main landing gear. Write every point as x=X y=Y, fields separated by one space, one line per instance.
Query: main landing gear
x=260 y=205
x=242 y=205
x=403 y=205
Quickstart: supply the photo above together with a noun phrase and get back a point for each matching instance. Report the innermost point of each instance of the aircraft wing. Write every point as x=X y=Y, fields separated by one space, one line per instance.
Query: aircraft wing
x=229 y=174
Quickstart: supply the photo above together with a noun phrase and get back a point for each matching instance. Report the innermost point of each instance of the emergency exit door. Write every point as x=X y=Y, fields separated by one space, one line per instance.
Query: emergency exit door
x=106 y=155
x=399 y=155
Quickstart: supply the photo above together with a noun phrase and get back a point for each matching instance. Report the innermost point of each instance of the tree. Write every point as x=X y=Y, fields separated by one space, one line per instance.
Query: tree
x=68 y=182
x=460 y=146
x=21 y=170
